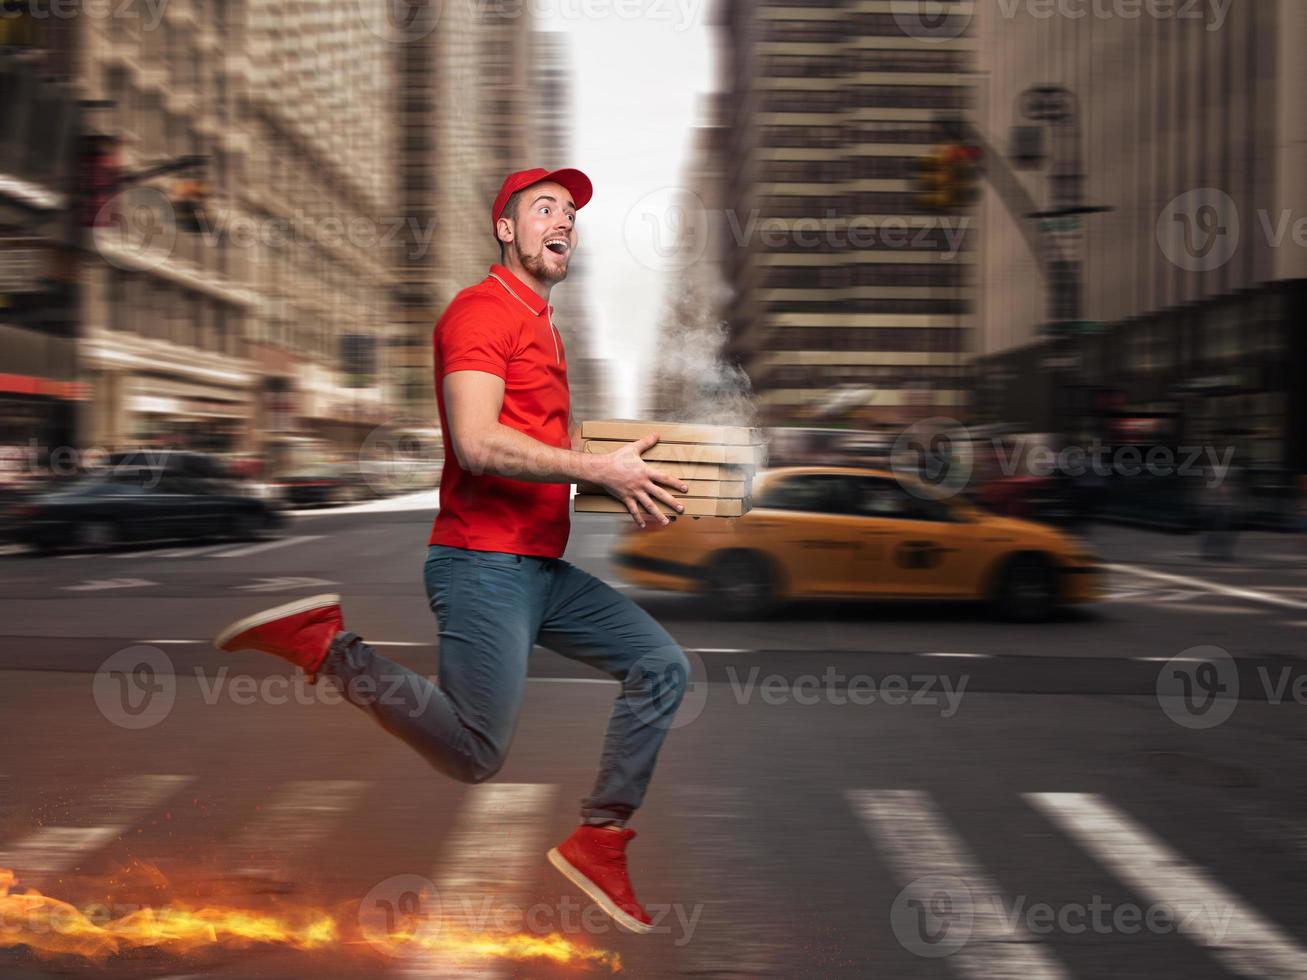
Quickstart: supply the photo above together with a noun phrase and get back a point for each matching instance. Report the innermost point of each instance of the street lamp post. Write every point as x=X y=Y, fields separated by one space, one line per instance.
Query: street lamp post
x=1057 y=110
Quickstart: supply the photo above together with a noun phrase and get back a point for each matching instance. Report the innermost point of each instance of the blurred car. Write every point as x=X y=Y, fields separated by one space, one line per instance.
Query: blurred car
x=142 y=497
x=321 y=484
x=865 y=533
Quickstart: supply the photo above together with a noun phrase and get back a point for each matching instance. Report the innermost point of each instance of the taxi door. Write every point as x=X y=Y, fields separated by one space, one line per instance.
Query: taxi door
x=803 y=522
x=913 y=545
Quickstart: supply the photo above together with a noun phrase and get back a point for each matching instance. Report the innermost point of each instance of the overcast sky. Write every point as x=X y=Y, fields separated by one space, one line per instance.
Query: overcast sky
x=640 y=68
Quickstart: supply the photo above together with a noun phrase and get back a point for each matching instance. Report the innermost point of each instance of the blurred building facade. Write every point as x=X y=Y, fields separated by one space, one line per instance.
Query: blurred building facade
x=840 y=277
x=552 y=123
x=1194 y=135
x=268 y=325
x=39 y=390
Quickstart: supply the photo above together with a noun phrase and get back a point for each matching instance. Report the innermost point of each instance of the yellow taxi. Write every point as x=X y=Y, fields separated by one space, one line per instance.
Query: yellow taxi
x=825 y=531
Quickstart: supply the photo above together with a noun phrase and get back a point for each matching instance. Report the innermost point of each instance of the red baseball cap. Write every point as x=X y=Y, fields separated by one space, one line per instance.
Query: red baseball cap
x=577 y=184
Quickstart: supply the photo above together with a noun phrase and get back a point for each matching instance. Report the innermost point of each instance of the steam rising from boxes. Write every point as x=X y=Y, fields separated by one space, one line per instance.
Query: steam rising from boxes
x=692 y=380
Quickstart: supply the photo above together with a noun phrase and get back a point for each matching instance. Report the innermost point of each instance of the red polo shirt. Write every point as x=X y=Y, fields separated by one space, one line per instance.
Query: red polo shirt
x=501 y=326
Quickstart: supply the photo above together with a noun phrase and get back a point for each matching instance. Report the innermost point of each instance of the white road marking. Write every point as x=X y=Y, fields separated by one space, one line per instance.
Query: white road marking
x=262 y=546
x=1203 y=910
x=917 y=842
x=718 y=650
x=428 y=500
x=12 y=549
x=192 y=552
x=618 y=585
x=122 y=802
x=1204 y=609
x=297 y=819
x=980 y=656
x=100 y=584
x=284 y=583
x=1251 y=594
x=572 y=680
x=489 y=862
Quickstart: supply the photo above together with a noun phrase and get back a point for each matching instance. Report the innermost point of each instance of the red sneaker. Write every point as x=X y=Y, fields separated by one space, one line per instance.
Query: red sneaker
x=594 y=859
x=299 y=631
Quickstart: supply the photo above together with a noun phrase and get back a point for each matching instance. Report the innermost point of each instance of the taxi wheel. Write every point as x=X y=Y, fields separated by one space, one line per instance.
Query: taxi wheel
x=740 y=586
x=1027 y=590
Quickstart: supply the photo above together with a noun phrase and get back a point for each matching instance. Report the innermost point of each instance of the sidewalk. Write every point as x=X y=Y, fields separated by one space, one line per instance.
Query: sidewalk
x=1252 y=549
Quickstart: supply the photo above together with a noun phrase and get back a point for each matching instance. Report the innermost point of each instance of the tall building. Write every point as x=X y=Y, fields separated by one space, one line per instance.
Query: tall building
x=553 y=142
x=39 y=393
x=841 y=279
x=267 y=326
x=1192 y=132
x=465 y=105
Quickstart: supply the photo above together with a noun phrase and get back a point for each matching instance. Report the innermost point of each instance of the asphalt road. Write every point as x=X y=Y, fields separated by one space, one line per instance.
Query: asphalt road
x=850 y=790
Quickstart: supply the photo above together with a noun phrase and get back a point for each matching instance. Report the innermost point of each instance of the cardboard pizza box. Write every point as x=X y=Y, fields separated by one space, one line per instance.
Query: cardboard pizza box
x=686 y=452
x=628 y=430
x=704 y=471
x=694 y=506
x=698 y=488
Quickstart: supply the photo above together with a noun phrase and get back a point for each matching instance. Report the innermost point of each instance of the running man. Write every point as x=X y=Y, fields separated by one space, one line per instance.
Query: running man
x=495 y=577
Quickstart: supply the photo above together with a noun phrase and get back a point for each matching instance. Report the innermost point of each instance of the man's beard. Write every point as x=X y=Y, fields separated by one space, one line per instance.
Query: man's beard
x=538 y=267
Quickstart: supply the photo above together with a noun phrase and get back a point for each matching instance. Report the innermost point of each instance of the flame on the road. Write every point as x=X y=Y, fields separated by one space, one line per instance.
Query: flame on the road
x=51 y=926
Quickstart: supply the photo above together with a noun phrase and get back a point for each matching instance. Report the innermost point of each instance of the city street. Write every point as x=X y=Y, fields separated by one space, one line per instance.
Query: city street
x=850 y=790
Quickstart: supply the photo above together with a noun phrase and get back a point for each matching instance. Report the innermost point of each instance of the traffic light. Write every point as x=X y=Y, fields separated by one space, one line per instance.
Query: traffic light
x=948 y=177
x=19 y=27
x=931 y=178
x=188 y=199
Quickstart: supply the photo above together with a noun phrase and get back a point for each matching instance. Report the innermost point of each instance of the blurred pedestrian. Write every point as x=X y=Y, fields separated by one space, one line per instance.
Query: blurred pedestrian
x=1221 y=514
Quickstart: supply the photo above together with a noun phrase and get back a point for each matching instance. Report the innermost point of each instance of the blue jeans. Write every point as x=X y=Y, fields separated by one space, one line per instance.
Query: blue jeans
x=492 y=607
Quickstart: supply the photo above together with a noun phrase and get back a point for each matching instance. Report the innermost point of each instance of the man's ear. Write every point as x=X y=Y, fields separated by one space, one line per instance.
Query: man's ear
x=504 y=230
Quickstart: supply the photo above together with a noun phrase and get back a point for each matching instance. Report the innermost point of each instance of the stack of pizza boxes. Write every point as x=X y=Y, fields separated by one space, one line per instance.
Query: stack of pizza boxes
x=716 y=462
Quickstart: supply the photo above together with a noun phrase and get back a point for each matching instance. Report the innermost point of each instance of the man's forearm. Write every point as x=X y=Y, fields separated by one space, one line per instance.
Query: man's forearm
x=504 y=451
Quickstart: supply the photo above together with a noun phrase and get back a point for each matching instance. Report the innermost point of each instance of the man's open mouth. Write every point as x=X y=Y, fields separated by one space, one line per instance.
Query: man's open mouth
x=556 y=245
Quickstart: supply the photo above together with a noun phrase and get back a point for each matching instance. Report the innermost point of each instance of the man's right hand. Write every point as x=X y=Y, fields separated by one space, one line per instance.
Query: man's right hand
x=635 y=483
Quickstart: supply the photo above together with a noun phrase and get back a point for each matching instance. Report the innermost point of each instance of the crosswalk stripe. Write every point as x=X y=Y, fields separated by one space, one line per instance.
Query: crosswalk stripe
x=262 y=546
x=192 y=552
x=1201 y=908
x=300 y=815
x=123 y=801
x=128 y=555
x=487 y=863
x=918 y=844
